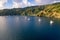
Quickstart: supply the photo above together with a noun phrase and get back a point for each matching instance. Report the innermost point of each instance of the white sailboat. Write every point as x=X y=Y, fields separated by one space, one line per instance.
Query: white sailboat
x=51 y=22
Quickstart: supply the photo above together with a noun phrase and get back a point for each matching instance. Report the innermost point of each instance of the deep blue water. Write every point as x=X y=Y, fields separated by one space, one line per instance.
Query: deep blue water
x=29 y=28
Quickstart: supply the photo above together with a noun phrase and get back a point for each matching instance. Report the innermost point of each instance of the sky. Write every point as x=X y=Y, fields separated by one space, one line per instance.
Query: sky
x=9 y=4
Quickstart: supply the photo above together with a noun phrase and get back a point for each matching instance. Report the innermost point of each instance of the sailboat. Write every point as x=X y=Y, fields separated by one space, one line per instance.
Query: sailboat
x=51 y=22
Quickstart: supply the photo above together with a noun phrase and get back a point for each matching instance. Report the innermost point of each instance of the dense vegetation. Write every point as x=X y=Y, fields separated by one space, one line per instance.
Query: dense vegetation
x=28 y=11
x=50 y=10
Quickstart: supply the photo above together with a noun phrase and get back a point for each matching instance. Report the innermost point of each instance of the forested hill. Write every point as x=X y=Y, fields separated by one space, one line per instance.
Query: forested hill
x=28 y=11
x=50 y=10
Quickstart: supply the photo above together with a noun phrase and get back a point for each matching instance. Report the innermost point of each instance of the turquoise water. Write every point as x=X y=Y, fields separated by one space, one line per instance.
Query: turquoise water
x=29 y=28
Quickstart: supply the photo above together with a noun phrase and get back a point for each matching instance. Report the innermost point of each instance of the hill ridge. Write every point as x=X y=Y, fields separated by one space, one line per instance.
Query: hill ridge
x=50 y=10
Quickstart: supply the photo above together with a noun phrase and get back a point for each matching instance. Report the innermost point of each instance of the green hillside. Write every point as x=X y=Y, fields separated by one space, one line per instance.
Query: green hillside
x=50 y=10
